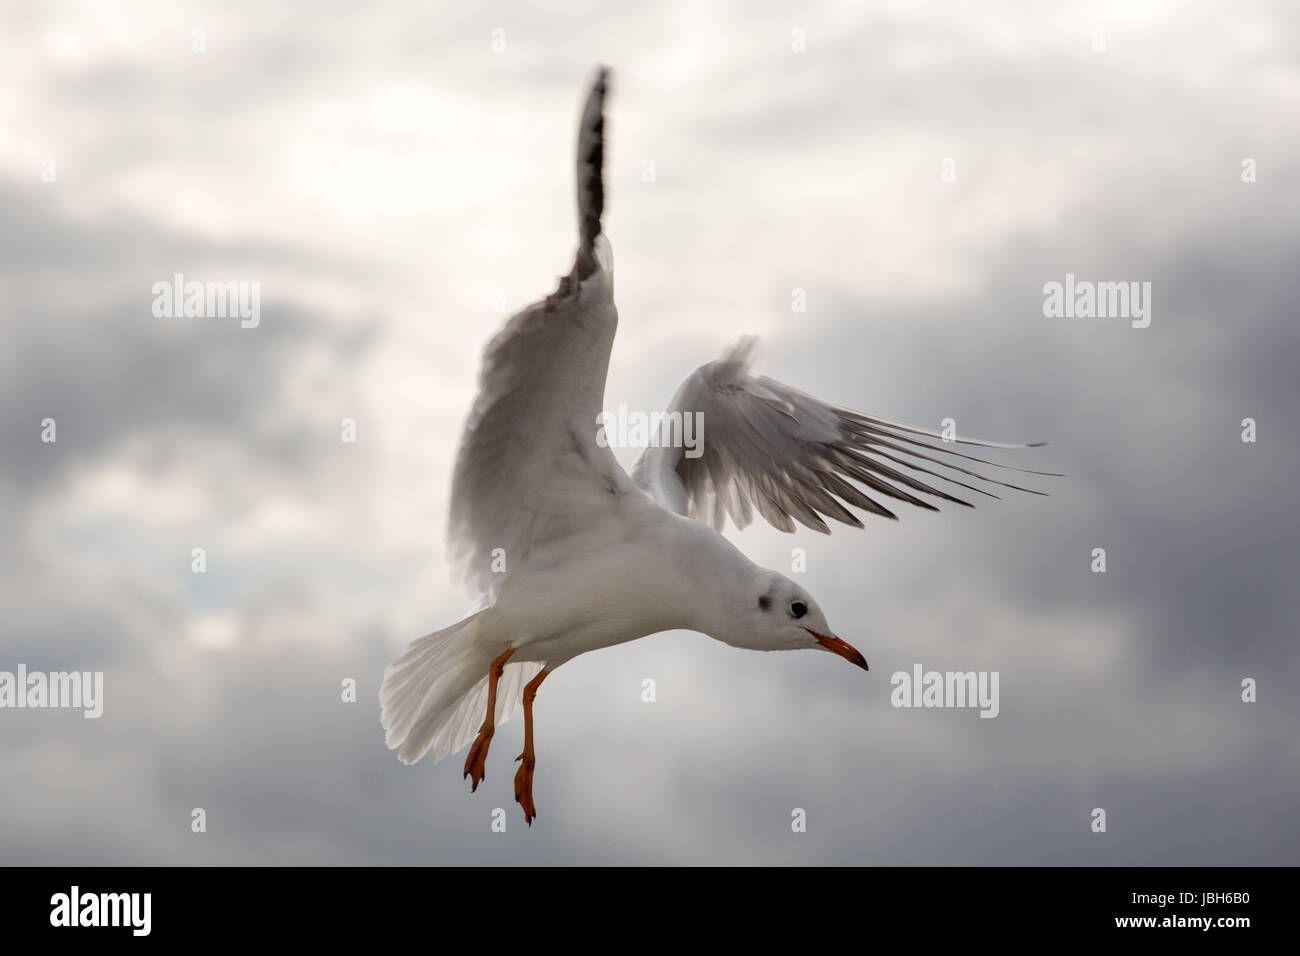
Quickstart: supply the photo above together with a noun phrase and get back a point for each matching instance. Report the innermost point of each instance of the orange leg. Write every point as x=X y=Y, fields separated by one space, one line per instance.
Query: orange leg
x=524 y=775
x=476 y=759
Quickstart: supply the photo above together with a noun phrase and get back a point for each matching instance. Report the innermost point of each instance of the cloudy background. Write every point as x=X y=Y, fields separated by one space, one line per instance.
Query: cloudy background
x=384 y=173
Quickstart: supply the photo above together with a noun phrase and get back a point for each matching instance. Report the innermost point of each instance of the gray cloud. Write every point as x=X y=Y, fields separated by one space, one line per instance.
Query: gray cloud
x=775 y=171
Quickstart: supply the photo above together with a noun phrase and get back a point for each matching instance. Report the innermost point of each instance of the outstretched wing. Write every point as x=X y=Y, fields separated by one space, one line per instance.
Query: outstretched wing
x=529 y=468
x=766 y=446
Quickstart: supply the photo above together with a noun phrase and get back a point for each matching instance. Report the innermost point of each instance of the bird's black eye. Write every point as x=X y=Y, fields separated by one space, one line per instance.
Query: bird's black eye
x=764 y=603
x=798 y=608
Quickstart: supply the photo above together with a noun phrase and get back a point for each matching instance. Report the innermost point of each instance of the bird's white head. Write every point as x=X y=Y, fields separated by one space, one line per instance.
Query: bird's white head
x=779 y=615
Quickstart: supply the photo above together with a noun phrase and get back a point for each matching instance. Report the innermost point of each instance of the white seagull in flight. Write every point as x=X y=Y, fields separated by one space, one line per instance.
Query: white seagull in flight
x=597 y=557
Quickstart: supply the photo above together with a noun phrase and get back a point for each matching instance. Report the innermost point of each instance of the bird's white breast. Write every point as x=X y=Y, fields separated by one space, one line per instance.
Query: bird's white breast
x=651 y=576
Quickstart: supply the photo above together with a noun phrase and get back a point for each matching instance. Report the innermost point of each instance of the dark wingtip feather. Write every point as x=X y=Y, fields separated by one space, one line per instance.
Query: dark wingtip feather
x=591 y=168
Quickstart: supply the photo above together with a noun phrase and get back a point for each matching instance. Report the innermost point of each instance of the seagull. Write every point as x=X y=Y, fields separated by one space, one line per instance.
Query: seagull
x=568 y=553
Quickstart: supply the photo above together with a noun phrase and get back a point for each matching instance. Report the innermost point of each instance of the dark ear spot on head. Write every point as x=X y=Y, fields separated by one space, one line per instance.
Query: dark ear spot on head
x=764 y=603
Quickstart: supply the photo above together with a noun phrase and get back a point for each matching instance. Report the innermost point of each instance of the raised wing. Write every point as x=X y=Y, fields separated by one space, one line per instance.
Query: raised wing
x=529 y=469
x=793 y=457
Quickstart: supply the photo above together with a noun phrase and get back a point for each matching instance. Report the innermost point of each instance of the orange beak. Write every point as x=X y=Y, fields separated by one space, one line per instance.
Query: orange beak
x=842 y=648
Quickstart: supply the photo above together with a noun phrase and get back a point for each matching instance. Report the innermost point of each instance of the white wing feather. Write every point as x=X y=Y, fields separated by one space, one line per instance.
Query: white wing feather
x=792 y=457
x=529 y=468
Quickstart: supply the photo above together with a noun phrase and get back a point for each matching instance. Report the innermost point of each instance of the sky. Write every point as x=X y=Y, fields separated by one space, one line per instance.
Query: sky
x=396 y=178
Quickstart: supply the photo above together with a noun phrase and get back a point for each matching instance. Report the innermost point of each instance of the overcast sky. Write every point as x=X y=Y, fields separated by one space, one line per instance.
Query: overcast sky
x=387 y=176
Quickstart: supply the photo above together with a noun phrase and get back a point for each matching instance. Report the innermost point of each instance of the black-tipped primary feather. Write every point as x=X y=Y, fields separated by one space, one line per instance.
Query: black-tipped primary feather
x=590 y=178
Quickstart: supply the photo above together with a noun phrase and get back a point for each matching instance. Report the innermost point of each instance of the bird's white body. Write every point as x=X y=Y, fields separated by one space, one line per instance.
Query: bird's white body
x=658 y=572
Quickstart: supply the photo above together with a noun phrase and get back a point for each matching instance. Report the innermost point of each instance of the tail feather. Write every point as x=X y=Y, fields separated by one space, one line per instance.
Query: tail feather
x=435 y=695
